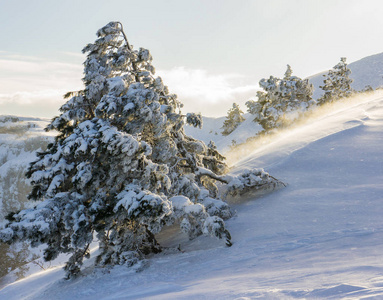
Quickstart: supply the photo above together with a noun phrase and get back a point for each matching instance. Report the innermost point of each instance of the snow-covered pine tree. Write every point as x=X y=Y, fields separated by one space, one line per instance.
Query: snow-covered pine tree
x=298 y=94
x=258 y=110
x=337 y=83
x=121 y=167
x=233 y=119
x=282 y=101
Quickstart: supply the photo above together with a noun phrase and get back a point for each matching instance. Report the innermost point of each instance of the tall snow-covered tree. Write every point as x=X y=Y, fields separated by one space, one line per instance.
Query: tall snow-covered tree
x=122 y=167
x=233 y=119
x=337 y=83
x=282 y=101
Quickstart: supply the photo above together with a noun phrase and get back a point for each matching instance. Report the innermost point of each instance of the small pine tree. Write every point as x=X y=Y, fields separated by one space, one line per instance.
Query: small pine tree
x=233 y=119
x=337 y=83
x=367 y=89
x=288 y=73
x=282 y=101
x=122 y=167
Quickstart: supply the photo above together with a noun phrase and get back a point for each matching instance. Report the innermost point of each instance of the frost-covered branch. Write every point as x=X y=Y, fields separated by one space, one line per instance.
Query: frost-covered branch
x=251 y=180
x=205 y=172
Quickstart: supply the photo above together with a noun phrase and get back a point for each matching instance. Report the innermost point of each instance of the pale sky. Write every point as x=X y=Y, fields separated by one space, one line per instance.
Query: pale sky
x=210 y=52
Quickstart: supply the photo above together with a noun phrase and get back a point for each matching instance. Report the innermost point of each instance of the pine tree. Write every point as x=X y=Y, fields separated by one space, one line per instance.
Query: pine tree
x=121 y=167
x=282 y=101
x=233 y=119
x=337 y=83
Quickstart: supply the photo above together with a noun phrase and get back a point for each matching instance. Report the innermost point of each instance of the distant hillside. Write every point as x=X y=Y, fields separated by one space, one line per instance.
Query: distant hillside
x=211 y=131
x=366 y=71
x=20 y=138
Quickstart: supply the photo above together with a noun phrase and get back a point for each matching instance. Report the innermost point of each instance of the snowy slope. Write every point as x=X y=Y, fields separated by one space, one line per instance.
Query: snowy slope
x=211 y=131
x=366 y=71
x=320 y=237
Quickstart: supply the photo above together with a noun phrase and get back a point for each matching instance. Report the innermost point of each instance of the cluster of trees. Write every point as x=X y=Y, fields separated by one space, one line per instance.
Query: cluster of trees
x=122 y=168
x=281 y=100
x=284 y=100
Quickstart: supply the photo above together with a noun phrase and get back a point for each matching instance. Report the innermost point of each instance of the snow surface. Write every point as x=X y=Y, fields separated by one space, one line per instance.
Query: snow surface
x=212 y=129
x=320 y=237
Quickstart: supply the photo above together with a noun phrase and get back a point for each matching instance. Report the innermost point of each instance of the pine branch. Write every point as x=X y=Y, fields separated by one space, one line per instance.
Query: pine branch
x=124 y=35
x=205 y=172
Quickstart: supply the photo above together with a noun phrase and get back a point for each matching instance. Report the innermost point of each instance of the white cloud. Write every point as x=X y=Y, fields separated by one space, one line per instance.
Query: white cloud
x=43 y=103
x=22 y=73
x=35 y=86
x=210 y=94
x=80 y=55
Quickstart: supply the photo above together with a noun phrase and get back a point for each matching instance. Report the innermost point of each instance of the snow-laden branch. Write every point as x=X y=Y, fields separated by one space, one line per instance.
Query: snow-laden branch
x=206 y=172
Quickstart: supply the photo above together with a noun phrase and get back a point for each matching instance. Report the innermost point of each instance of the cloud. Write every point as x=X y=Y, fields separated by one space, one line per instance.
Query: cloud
x=34 y=86
x=44 y=103
x=21 y=98
x=210 y=94
x=24 y=73
x=80 y=55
